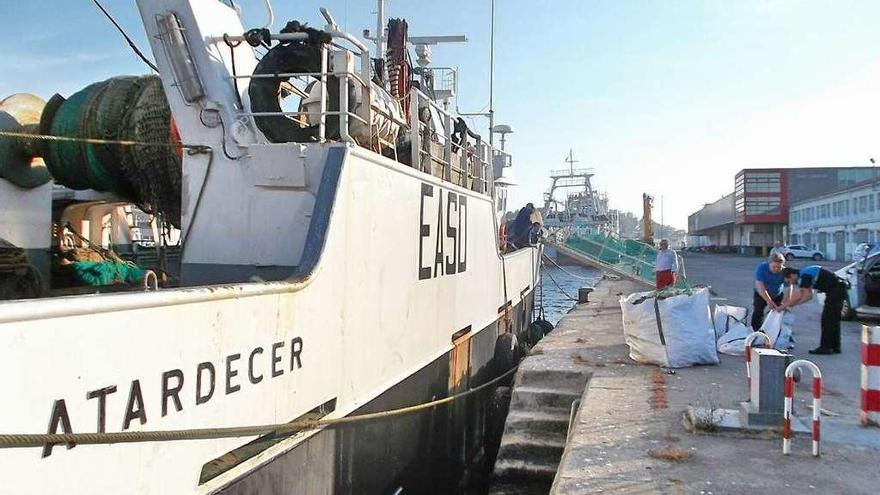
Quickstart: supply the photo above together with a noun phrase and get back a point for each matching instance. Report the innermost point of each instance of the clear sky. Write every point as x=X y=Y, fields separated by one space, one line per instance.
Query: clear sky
x=666 y=97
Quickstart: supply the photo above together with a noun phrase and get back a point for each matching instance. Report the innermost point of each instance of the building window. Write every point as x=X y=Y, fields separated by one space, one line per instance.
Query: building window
x=762 y=206
x=794 y=239
x=861 y=235
x=758 y=182
x=863 y=204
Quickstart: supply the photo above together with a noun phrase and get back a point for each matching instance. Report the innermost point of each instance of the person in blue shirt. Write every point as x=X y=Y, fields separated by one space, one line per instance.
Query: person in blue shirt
x=815 y=277
x=768 y=288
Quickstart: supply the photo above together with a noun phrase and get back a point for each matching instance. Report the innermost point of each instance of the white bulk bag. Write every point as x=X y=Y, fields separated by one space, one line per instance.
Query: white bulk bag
x=733 y=341
x=674 y=331
x=777 y=325
x=725 y=316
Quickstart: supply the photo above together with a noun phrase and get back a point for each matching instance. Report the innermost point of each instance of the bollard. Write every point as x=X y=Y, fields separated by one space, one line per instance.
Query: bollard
x=584 y=294
x=870 y=402
x=751 y=338
x=789 y=394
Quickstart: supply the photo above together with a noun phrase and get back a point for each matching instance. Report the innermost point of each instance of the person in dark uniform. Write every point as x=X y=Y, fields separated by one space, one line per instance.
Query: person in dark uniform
x=815 y=277
x=518 y=229
x=768 y=288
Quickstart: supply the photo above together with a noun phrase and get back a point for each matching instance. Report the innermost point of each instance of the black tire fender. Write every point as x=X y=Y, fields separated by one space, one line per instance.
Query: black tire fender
x=265 y=93
x=545 y=325
x=506 y=352
x=496 y=415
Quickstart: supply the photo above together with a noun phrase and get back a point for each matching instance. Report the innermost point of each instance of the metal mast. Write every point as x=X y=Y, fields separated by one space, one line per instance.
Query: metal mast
x=380 y=29
x=492 y=77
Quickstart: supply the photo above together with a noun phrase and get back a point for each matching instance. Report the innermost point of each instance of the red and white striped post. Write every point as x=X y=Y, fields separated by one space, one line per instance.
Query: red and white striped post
x=789 y=394
x=751 y=338
x=870 y=414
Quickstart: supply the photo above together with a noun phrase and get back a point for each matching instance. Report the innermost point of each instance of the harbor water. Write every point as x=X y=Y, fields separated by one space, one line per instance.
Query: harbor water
x=559 y=288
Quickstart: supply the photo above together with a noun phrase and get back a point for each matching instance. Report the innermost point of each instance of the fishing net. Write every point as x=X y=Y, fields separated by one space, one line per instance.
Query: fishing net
x=96 y=273
x=122 y=108
x=18 y=278
x=154 y=171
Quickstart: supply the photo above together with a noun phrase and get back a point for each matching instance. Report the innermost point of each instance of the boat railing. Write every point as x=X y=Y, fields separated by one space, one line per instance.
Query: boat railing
x=347 y=76
x=464 y=159
x=571 y=173
x=457 y=156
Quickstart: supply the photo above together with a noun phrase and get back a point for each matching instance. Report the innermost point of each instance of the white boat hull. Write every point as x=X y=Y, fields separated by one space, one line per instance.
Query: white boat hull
x=353 y=321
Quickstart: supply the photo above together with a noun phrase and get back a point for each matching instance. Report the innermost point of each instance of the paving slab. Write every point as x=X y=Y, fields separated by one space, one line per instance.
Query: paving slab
x=630 y=435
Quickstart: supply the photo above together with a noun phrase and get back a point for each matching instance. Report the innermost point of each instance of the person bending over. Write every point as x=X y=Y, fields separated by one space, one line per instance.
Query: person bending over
x=768 y=288
x=815 y=277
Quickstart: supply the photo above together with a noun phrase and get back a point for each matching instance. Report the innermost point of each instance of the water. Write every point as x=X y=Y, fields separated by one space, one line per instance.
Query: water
x=558 y=300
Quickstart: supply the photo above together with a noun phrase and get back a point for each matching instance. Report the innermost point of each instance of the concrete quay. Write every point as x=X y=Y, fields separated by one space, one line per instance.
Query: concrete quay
x=629 y=435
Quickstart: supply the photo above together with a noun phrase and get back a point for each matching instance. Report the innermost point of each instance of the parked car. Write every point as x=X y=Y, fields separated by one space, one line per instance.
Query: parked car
x=863 y=296
x=865 y=249
x=801 y=251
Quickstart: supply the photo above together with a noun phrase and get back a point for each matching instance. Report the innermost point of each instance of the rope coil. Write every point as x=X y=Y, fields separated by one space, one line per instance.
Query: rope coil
x=14 y=440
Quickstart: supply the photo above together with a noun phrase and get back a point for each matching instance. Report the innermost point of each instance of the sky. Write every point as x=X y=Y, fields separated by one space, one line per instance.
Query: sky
x=669 y=98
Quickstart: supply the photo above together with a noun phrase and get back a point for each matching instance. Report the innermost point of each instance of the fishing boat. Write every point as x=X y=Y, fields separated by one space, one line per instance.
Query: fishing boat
x=339 y=256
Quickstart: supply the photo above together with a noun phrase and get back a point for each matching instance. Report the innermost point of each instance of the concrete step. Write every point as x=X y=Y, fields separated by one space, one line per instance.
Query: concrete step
x=543 y=397
x=574 y=381
x=541 y=487
x=532 y=445
x=537 y=421
x=511 y=470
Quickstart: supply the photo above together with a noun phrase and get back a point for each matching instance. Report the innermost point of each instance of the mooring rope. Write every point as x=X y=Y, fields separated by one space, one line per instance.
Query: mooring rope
x=14 y=440
x=566 y=294
x=548 y=258
x=120 y=142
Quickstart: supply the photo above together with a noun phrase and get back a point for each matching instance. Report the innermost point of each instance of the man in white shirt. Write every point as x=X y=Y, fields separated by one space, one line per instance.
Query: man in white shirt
x=666 y=266
x=777 y=248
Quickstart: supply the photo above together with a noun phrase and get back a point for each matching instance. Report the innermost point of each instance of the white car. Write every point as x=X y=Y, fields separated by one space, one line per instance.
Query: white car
x=801 y=251
x=863 y=296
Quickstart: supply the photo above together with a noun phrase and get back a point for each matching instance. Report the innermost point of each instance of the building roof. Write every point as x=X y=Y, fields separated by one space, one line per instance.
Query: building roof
x=843 y=190
x=824 y=167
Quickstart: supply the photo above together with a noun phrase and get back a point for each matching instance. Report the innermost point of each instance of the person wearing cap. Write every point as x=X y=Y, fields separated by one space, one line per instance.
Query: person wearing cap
x=768 y=288
x=666 y=266
x=815 y=277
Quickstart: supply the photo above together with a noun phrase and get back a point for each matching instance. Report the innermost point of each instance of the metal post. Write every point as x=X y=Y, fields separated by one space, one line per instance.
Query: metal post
x=415 y=131
x=343 y=108
x=322 y=122
x=492 y=77
x=789 y=396
x=870 y=383
x=380 y=29
x=447 y=150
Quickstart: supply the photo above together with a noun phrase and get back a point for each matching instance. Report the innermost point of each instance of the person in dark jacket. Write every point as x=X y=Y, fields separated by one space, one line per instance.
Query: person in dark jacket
x=518 y=230
x=815 y=277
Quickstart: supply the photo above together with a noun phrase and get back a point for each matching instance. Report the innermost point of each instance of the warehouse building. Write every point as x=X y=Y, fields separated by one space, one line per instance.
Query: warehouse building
x=837 y=222
x=713 y=225
x=761 y=202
